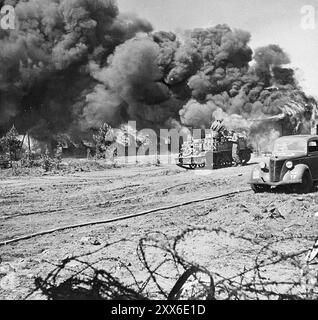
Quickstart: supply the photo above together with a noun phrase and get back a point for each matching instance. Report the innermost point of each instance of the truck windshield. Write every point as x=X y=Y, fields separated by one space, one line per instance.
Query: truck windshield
x=290 y=147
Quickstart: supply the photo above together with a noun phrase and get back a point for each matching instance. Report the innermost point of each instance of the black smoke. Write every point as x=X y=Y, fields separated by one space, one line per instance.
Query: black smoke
x=72 y=65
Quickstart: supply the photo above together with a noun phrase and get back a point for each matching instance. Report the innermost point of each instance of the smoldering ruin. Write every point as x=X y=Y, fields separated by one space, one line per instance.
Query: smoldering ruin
x=71 y=66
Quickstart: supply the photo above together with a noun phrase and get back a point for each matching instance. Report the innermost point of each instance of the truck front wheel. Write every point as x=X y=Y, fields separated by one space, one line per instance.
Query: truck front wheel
x=306 y=185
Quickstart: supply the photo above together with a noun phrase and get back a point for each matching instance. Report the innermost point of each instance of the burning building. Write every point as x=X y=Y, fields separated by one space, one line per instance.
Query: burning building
x=71 y=66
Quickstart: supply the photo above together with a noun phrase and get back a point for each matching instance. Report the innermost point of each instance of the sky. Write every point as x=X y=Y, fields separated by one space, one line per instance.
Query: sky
x=269 y=22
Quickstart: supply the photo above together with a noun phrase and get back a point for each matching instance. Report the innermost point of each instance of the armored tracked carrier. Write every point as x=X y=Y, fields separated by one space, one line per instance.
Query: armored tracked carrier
x=193 y=153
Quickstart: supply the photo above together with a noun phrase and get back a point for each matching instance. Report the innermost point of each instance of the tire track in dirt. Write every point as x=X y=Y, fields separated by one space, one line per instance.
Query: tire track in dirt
x=55 y=217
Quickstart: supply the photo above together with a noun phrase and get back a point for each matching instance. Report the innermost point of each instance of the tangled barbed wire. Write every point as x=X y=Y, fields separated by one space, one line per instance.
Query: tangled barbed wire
x=167 y=269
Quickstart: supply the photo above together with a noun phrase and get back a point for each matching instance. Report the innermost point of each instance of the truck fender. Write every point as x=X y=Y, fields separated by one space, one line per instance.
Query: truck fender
x=299 y=171
x=255 y=168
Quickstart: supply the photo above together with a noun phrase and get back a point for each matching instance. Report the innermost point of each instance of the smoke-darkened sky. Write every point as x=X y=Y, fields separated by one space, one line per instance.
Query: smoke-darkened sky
x=71 y=65
x=271 y=21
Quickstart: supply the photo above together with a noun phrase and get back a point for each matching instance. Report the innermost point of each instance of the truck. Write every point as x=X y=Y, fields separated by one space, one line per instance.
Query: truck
x=292 y=165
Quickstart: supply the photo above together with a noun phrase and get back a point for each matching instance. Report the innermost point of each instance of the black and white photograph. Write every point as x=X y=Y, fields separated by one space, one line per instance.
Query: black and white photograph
x=159 y=150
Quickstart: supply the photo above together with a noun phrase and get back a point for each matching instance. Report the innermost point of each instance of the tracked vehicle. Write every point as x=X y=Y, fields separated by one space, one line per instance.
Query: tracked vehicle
x=193 y=153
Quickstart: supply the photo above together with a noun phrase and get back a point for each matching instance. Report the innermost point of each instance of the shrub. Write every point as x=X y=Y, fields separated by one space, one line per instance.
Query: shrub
x=10 y=144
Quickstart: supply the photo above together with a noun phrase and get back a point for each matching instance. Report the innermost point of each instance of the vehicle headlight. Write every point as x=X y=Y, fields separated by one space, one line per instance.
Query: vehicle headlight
x=289 y=164
x=262 y=165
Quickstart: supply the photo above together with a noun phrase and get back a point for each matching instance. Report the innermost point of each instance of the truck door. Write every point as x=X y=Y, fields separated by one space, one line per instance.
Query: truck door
x=313 y=158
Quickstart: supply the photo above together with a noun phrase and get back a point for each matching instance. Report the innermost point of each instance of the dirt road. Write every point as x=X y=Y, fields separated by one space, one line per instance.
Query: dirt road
x=33 y=204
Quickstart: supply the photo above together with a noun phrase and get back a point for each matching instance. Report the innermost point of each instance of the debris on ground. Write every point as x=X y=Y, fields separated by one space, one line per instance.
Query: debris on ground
x=313 y=253
x=90 y=240
x=275 y=214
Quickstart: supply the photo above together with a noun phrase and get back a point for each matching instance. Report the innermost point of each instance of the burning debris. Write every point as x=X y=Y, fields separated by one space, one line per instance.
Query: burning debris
x=71 y=66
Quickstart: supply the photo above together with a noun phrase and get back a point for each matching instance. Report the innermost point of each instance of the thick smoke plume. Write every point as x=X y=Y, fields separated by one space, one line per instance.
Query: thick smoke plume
x=72 y=65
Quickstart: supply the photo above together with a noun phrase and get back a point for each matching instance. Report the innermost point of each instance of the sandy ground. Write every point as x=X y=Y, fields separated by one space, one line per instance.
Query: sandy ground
x=31 y=204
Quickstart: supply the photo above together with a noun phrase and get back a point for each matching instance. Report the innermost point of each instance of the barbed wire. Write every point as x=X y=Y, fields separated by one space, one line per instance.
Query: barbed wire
x=167 y=274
